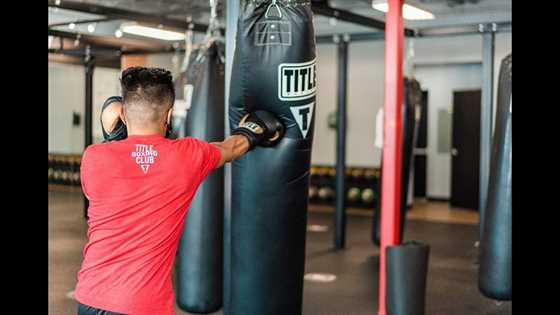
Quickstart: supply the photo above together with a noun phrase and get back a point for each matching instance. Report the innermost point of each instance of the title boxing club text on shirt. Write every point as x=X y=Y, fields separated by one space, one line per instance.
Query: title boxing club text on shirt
x=144 y=156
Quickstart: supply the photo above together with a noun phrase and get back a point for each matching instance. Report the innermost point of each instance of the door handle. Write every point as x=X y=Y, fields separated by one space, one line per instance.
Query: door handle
x=454 y=152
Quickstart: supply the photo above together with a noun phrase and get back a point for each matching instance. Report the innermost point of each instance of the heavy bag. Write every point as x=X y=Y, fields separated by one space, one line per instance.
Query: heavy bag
x=199 y=258
x=407 y=270
x=494 y=277
x=273 y=70
x=412 y=101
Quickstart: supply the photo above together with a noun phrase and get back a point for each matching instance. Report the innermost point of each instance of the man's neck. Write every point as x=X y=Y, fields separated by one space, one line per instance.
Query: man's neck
x=145 y=132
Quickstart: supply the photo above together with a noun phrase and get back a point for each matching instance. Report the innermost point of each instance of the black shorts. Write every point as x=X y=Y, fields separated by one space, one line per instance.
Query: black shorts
x=88 y=310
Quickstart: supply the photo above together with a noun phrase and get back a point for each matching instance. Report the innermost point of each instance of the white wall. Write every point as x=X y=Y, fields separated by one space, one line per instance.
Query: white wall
x=440 y=82
x=67 y=95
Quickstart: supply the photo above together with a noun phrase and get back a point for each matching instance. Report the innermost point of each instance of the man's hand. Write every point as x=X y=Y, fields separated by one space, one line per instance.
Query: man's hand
x=260 y=128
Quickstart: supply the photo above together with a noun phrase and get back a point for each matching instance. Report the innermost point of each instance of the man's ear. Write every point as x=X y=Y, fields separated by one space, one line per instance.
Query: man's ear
x=169 y=115
x=121 y=115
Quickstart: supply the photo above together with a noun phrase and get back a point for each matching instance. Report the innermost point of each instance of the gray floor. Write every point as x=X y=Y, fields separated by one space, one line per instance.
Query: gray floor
x=452 y=279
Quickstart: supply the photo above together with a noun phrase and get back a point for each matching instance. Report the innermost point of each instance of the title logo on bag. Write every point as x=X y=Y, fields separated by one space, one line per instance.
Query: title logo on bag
x=303 y=115
x=297 y=81
x=144 y=156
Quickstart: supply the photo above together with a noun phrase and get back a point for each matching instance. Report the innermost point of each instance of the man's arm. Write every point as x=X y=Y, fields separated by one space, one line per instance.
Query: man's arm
x=232 y=148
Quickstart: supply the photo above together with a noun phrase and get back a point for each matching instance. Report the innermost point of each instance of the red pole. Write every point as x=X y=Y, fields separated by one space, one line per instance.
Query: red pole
x=392 y=142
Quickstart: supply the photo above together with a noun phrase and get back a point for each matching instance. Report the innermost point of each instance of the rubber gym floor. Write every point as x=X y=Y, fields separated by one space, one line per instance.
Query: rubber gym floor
x=452 y=276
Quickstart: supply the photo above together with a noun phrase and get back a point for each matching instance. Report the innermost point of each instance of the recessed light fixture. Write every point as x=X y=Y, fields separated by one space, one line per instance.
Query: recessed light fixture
x=118 y=33
x=72 y=26
x=91 y=27
x=409 y=12
x=319 y=277
x=152 y=32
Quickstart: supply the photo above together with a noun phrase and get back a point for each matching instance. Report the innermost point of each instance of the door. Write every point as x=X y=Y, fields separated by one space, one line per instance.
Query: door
x=465 y=152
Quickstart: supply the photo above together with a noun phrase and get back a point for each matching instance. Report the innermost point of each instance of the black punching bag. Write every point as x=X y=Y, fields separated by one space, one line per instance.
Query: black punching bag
x=412 y=101
x=199 y=258
x=494 y=278
x=273 y=70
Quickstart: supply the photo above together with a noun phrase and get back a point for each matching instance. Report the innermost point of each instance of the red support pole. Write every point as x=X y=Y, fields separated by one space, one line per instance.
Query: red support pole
x=392 y=142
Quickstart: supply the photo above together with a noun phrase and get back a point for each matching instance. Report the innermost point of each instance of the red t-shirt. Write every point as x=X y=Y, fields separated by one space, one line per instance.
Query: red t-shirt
x=139 y=191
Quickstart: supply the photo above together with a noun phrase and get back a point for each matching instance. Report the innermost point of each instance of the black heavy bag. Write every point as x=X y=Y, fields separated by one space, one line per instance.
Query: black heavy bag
x=407 y=270
x=199 y=258
x=412 y=100
x=494 y=278
x=273 y=70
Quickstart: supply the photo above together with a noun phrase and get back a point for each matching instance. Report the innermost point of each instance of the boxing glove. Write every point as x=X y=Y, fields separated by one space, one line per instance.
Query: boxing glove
x=260 y=128
x=119 y=132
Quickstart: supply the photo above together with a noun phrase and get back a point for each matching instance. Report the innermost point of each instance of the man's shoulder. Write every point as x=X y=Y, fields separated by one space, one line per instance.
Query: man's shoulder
x=189 y=141
x=97 y=147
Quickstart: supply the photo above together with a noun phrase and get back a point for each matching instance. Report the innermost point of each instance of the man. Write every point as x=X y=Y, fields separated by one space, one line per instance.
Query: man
x=139 y=191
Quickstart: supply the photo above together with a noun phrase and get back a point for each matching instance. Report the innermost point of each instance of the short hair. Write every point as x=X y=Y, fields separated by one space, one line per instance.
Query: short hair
x=147 y=94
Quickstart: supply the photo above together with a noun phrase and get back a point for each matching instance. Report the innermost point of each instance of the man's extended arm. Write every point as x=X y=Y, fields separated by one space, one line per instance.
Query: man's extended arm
x=232 y=148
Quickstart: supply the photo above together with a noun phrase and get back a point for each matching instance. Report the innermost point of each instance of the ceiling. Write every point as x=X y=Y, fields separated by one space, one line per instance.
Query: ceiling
x=448 y=13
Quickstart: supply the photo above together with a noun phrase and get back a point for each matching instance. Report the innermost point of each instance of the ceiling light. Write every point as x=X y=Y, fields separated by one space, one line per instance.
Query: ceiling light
x=409 y=12
x=118 y=34
x=152 y=32
x=319 y=277
x=72 y=26
x=91 y=27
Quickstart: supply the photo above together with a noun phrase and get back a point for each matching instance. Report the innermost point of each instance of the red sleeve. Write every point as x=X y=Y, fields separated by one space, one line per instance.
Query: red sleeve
x=209 y=154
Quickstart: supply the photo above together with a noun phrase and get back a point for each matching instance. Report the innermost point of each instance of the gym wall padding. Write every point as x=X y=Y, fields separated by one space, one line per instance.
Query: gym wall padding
x=407 y=270
x=273 y=70
x=495 y=272
x=199 y=259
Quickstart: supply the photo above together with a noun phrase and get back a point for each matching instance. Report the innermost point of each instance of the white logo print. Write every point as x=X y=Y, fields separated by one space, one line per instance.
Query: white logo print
x=297 y=81
x=144 y=156
x=303 y=116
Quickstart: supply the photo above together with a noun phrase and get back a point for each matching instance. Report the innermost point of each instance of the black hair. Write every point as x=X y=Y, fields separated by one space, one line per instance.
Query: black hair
x=147 y=91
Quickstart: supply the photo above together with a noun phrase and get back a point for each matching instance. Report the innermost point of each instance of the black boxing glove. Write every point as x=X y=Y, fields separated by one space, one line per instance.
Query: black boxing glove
x=260 y=128
x=119 y=132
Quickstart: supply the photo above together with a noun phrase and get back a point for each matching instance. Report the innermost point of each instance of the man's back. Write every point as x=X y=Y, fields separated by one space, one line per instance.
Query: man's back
x=139 y=190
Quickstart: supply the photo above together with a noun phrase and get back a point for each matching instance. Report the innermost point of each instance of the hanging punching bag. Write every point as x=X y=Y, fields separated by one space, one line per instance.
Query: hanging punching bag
x=412 y=100
x=494 y=278
x=199 y=258
x=273 y=70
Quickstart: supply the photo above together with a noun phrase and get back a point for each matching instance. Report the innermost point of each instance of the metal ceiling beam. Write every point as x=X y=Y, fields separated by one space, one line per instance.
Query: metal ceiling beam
x=117 y=13
x=503 y=27
x=323 y=8
x=124 y=44
x=81 y=22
